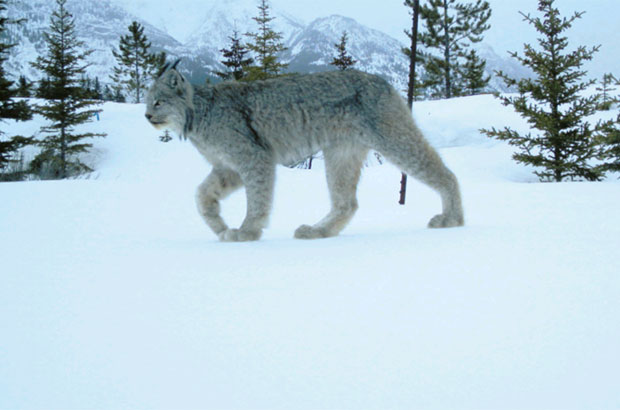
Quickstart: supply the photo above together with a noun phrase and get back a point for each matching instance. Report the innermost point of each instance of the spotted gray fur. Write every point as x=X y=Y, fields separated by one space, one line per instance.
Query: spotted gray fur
x=244 y=129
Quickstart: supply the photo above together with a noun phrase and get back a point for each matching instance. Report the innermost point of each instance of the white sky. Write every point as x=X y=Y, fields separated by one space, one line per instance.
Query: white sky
x=507 y=26
x=508 y=32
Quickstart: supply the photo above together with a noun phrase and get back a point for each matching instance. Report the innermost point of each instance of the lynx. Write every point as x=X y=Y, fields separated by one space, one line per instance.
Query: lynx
x=245 y=129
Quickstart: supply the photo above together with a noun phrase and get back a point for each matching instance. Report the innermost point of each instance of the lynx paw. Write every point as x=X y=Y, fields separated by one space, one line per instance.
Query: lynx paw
x=309 y=232
x=237 y=235
x=445 y=221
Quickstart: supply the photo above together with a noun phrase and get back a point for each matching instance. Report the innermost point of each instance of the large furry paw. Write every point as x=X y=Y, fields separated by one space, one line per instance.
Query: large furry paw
x=309 y=232
x=238 y=235
x=445 y=221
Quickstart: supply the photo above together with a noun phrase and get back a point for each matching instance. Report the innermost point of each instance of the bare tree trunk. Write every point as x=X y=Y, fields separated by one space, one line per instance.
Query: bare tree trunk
x=447 y=52
x=411 y=88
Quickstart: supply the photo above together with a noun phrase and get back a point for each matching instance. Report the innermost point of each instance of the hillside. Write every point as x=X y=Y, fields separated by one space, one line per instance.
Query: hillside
x=114 y=294
x=100 y=23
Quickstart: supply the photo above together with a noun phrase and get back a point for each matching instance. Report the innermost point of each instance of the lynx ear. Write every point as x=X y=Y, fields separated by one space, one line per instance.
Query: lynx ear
x=176 y=80
x=178 y=84
x=168 y=66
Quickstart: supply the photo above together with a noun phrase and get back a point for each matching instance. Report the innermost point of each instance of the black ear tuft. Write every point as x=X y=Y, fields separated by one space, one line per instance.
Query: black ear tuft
x=163 y=69
x=168 y=66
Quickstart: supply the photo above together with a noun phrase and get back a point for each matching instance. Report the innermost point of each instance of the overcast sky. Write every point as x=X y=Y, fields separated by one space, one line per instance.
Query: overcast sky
x=508 y=32
x=599 y=25
x=600 y=22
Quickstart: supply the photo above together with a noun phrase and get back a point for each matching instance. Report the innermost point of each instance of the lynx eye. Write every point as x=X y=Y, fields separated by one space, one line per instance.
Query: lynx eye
x=157 y=103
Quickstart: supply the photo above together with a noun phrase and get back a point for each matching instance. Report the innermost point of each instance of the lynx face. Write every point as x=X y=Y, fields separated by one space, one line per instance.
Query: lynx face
x=168 y=101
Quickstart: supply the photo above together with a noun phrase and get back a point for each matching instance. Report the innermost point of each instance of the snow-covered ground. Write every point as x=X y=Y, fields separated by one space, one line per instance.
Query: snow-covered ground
x=114 y=294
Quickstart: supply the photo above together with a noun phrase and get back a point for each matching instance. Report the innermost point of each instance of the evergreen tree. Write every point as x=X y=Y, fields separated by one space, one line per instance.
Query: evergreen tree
x=97 y=91
x=44 y=89
x=451 y=28
x=24 y=87
x=91 y=89
x=118 y=96
x=235 y=59
x=611 y=148
x=9 y=109
x=135 y=65
x=473 y=79
x=107 y=93
x=551 y=102
x=86 y=86
x=607 y=86
x=343 y=60
x=63 y=65
x=266 y=45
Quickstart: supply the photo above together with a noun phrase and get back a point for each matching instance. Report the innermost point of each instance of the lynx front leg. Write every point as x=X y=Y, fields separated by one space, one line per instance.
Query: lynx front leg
x=259 y=182
x=220 y=183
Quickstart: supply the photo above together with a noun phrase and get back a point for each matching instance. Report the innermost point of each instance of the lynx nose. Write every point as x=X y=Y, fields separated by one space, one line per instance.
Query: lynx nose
x=148 y=116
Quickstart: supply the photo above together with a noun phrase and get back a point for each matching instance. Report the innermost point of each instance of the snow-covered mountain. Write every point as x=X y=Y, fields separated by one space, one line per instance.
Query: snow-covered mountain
x=227 y=16
x=100 y=23
x=375 y=51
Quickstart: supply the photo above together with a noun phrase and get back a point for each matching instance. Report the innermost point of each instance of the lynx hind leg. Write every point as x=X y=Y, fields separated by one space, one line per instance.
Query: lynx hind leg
x=218 y=185
x=409 y=151
x=343 y=168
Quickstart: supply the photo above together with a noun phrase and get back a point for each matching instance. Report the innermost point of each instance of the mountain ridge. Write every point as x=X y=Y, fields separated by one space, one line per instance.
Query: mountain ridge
x=311 y=46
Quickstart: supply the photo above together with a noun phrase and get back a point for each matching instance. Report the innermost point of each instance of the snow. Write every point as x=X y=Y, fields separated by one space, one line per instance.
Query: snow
x=114 y=294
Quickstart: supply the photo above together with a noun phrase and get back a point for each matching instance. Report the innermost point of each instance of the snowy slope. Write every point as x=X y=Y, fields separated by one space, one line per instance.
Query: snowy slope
x=100 y=23
x=113 y=293
x=224 y=17
x=374 y=51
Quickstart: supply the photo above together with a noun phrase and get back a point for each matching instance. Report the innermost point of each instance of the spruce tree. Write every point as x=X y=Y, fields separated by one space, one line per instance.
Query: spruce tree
x=473 y=79
x=63 y=65
x=9 y=108
x=44 y=89
x=135 y=65
x=343 y=60
x=611 y=148
x=24 y=87
x=451 y=28
x=235 y=59
x=266 y=45
x=97 y=91
x=606 y=87
x=564 y=141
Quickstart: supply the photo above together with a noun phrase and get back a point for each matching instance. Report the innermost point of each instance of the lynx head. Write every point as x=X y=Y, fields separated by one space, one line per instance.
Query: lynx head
x=169 y=101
